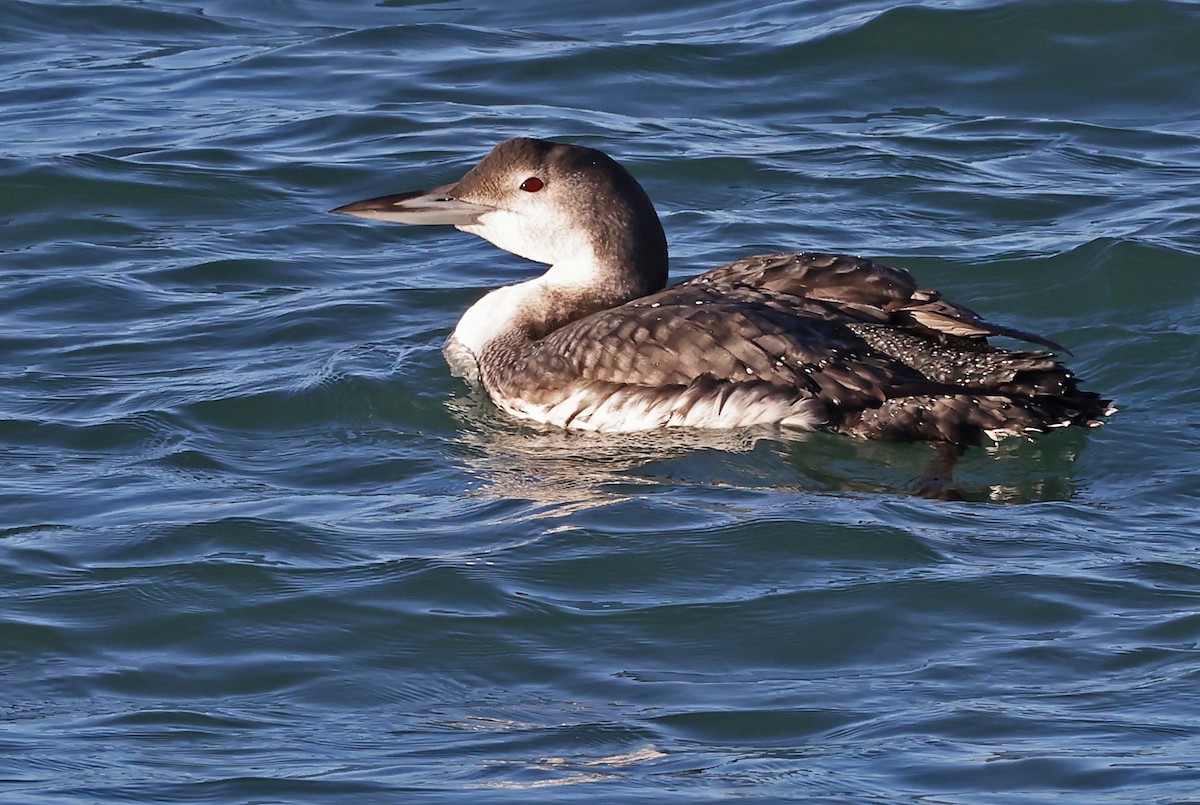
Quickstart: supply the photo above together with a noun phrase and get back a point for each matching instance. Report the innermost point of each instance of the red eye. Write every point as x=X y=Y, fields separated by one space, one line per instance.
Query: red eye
x=532 y=184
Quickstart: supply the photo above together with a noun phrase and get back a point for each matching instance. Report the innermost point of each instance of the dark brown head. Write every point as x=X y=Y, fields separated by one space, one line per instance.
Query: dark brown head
x=569 y=206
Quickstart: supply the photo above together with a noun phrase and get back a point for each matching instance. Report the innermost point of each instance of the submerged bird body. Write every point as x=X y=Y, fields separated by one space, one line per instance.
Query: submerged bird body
x=813 y=341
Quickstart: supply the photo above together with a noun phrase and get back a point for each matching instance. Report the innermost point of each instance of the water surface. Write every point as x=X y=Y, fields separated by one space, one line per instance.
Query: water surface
x=258 y=545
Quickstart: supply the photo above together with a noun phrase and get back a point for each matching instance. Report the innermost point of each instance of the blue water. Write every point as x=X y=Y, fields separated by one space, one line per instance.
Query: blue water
x=258 y=545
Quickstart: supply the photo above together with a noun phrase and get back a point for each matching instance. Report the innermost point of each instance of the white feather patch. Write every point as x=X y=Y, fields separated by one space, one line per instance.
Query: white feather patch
x=635 y=409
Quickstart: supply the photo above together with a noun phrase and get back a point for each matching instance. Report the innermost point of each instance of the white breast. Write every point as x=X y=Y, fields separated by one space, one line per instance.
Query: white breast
x=492 y=316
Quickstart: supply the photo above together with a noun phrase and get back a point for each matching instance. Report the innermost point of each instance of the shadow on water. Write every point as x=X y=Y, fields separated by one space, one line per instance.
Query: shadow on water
x=583 y=470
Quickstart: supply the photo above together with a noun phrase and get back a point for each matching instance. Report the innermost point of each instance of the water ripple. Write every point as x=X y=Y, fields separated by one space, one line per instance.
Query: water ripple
x=251 y=517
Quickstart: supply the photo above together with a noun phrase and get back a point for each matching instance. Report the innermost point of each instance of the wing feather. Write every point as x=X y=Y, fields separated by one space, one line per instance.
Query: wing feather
x=857 y=345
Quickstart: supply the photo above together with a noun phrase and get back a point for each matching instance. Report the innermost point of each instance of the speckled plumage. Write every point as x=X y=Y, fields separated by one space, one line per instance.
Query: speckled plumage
x=803 y=340
x=829 y=336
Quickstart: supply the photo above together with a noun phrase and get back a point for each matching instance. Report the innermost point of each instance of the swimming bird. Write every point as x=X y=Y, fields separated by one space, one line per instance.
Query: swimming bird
x=804 y=340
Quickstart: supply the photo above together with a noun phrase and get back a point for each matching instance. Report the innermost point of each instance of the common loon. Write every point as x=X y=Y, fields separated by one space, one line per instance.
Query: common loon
x=807 y=340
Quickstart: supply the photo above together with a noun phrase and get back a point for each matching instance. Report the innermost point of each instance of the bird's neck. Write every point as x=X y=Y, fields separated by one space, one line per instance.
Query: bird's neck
x=531 y=310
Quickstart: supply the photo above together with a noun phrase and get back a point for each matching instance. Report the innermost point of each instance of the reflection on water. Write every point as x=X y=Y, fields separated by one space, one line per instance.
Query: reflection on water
x=575 y=470
x=559 y=771
x=578 y=470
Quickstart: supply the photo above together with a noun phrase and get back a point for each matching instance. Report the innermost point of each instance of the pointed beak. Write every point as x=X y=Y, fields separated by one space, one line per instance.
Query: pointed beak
x=434 y=206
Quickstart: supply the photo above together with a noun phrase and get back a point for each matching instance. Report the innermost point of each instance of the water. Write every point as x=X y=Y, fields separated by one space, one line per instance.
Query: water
x=259 y=546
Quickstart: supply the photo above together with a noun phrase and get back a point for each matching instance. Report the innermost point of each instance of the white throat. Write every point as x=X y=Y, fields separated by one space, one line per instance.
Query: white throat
x=497 y=313
x=517 y=307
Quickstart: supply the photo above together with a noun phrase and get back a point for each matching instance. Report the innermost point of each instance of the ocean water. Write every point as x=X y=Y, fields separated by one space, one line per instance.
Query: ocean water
x=258 y=545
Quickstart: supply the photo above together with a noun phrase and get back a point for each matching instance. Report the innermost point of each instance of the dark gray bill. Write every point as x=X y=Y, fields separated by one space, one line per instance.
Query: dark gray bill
x=433 y=206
